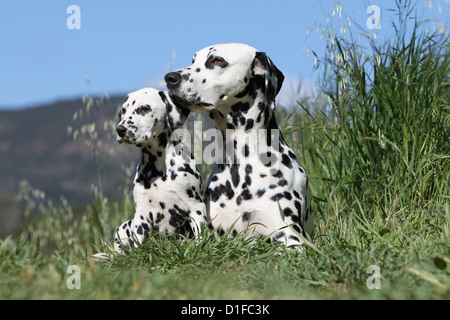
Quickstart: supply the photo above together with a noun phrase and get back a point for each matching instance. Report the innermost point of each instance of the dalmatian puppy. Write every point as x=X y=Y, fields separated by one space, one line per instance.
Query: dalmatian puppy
x=259 y=182
x=167 y=188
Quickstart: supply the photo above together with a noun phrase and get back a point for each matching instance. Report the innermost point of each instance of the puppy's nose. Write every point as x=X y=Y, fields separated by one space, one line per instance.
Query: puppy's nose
x=121 y=130
x=172 y=78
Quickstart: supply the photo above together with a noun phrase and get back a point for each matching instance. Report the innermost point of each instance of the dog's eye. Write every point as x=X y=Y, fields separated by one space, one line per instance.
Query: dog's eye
x=213 y=62
x=145 y=108
x=218 y=61
x=121 y=112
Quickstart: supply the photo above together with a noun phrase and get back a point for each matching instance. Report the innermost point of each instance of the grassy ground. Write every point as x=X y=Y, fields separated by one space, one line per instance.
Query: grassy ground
x=376 y=147
x=412 y=265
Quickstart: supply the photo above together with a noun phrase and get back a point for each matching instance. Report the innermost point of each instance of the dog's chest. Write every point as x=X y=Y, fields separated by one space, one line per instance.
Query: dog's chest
x=164 y=206
x=253 y=178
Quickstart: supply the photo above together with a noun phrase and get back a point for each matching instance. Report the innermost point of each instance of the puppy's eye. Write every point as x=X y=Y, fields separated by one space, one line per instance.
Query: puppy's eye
x=121 y=112
x=146 y=108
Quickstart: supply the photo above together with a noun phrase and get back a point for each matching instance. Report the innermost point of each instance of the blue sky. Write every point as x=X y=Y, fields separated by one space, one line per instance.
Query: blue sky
x=126 y=45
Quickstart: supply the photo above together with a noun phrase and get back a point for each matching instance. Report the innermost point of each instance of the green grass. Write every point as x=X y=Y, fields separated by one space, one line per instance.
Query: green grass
x=376 y=147
x=168 y=268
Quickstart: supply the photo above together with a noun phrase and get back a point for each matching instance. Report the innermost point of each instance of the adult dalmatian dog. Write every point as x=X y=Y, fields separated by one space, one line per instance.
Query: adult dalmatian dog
x=167 y=188
x=260 y=183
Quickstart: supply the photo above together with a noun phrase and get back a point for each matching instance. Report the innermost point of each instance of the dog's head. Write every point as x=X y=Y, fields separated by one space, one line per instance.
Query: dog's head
x=225 y=74
x=146 y=114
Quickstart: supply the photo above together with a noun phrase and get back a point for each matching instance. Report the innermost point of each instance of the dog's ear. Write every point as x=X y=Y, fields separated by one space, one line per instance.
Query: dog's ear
x=175 y=116
x=270 y=78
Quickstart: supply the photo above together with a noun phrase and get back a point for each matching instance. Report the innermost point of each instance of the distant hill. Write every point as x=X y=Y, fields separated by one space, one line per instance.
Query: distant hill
x=35 y=146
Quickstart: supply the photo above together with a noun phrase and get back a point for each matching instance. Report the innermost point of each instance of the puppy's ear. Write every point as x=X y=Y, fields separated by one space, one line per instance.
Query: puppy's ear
x=175 y=116
x=272 y=78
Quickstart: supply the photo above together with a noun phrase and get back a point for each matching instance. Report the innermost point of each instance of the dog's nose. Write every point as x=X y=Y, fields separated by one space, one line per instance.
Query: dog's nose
x=121 y=130
x=172 y=78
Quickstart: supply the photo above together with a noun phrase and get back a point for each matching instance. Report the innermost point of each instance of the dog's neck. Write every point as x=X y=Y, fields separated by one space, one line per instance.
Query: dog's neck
x=254 y=113
x=248 y=128
x=153 y=159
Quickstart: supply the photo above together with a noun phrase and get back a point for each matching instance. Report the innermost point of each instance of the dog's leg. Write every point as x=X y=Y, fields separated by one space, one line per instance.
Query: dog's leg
x=196 y=220
x=287 y=237
x=123 y=239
